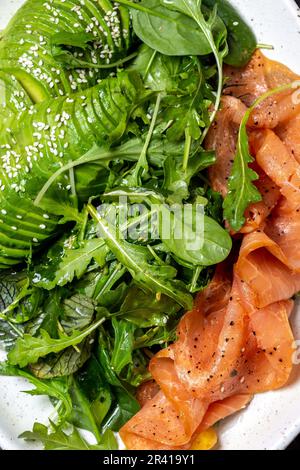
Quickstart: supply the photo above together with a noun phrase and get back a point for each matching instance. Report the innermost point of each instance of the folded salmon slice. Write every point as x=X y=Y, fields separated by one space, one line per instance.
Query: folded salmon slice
x=257 y=213
x=290 y=135
x=256 y=78
x=279 y=164
x=237 y=341
x=222 y=409
x=249 y=83
x=222 y=138
x=274 y=111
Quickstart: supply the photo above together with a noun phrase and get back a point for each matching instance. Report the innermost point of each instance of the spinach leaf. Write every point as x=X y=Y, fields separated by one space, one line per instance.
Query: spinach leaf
x=193 y=237
x=153 y=277
x=144 y=310
x=58 y=439
x=29 y=349
x=124 y=405
x=122 y=410
x=166 y=31
x=159 y=72
x=241 y=39
x=91 y=381
x=82 y=415
x=123 y=344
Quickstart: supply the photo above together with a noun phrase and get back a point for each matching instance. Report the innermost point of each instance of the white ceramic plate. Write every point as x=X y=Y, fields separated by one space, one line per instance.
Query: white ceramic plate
x=273 y=419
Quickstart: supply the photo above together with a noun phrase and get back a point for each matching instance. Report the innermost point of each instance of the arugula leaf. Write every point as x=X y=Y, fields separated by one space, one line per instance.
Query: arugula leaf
x=215 y=34
x=55 y=388
x=177 y=179
x=65 y=38
x=137 y=372
x=192 y=237
x=78 y=312
x=214 y=206
x=69 y=263
x=188 y=106
x=61 y=440
x=157 y=278
x=48 y=319
x=241 y=190
x=124 y=405
x=29 y=349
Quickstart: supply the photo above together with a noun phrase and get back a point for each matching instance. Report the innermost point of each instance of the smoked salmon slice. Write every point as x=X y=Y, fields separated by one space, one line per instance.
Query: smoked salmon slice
x=222 y=138
x=289 y=133
x=222 y=409
x=237 y=340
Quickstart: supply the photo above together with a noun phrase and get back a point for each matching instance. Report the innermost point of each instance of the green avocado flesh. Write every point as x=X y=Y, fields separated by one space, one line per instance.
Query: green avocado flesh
x=42 y=139
x=41 y=35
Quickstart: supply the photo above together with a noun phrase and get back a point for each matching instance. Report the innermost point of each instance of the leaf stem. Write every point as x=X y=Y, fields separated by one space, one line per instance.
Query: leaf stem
x=195 y=278
x=137 y=6
x=265 y=46
x=112 y=279
x=92 y=155
x=83 y=64
x=150 y=64
x=72 y=181
x=187 y=148
x=142 y=162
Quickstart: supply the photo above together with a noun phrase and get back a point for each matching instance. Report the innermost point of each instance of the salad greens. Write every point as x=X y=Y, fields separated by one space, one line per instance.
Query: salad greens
x=104 y=109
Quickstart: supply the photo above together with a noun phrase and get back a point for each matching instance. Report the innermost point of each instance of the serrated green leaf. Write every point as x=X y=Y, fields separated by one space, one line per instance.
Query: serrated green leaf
x=29 y=349
x=58 y=439
x=157 y=278
x=241 y=190
x=55 y=388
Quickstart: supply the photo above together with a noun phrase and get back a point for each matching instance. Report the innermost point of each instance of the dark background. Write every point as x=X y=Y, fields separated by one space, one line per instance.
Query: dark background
x=296 y=444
